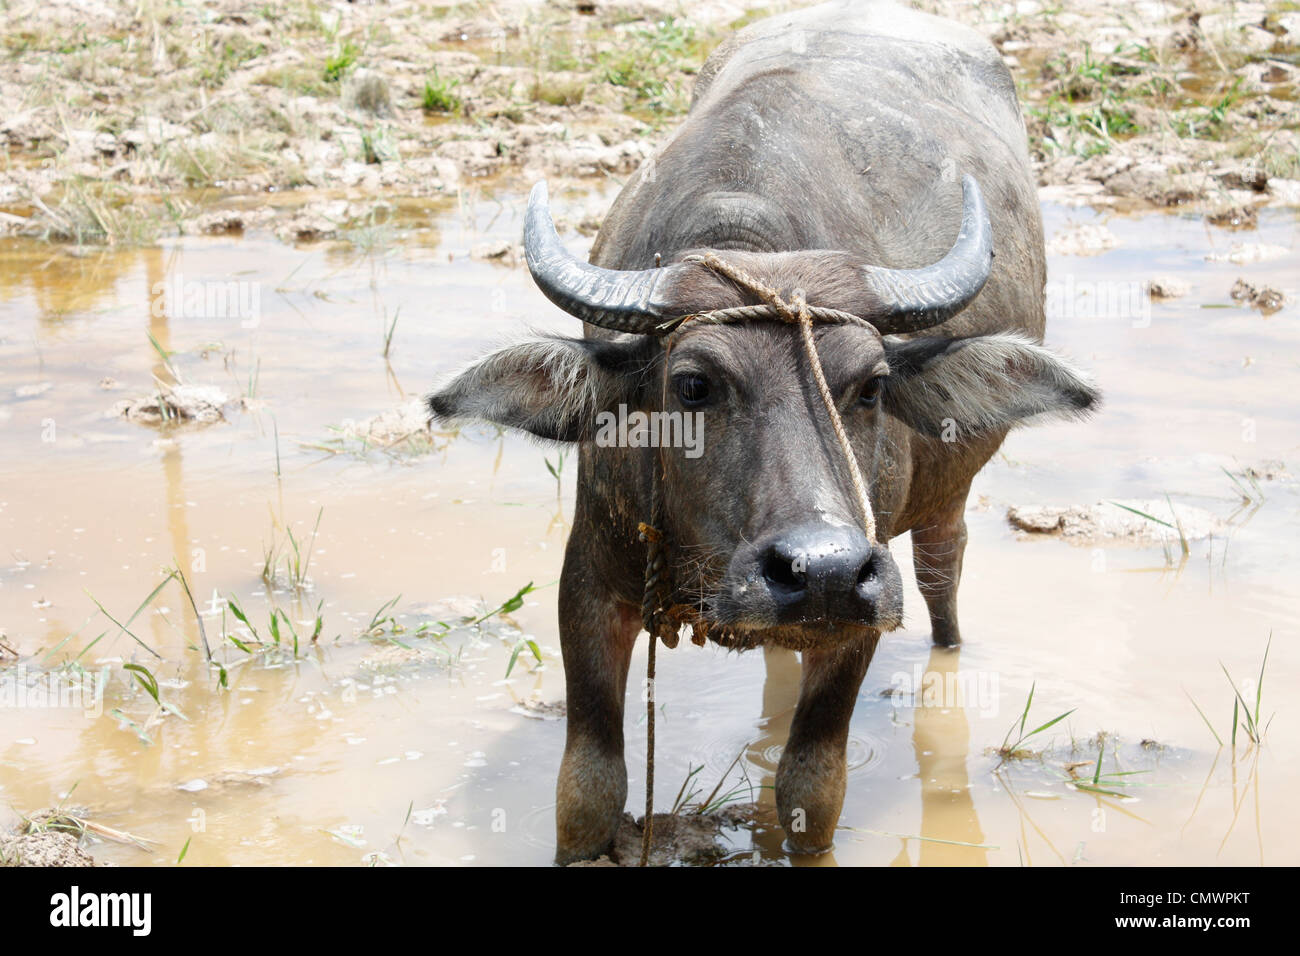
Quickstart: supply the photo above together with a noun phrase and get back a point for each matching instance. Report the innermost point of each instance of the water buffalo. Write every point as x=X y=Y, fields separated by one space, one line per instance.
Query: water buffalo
x=873 y=157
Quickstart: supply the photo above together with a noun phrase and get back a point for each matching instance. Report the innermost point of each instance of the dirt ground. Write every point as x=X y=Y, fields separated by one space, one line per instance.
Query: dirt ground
x=691 y=838
x=123 y=123
x=35 y=842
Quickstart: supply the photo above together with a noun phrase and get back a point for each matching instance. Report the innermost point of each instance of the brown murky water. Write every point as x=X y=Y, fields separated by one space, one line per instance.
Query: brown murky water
x=406 y=748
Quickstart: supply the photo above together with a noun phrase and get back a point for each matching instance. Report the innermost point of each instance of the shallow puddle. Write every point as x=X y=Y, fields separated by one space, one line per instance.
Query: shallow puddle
x=402 y=747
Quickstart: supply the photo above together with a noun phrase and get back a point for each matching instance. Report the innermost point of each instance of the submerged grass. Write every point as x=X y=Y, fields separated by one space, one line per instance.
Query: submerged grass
x=1249 y=496
x=686 y=801
x=279 y=639
x=89 y=213
x=1106 y=783
x=1246 y=718
x=392 y=327
x=126 y=628
x=294 y=555
x=1015 y=749
x=384 y=625
x=66 y=821
x=1176 y=525
x=556 y=470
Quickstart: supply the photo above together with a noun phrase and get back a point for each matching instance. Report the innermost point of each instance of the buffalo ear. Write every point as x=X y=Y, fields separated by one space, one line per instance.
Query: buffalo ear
x=959 y=388
x=551 y=387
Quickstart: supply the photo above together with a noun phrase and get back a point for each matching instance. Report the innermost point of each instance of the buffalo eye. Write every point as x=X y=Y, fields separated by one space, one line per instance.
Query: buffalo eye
x=870 y=395
x=692 y=390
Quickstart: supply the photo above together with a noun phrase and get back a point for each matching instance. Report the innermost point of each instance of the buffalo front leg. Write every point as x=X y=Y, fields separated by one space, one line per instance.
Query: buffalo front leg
x=812 y=775
x=937 y=550
x=596 y=639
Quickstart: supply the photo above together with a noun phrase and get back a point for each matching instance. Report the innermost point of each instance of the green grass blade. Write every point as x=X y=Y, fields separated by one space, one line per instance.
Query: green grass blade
x=379 y=615
x=1143 y=514
x=1054 y=720
x=236 y=610
x=145 y=679
x=1025 y=715
x=514 y=656
x=1259 y=687
x=1204 y=718
x=126 y=628
x=189 y=596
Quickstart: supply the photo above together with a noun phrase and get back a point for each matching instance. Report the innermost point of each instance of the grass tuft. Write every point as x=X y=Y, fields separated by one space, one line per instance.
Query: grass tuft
x=1015 y=749
x=439 y=95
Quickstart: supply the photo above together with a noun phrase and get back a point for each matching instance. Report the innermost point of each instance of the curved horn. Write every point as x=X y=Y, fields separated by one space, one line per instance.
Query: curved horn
x=916 y=299
x=625 y=301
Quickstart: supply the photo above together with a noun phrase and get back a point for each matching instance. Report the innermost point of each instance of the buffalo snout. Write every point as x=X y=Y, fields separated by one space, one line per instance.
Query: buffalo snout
x=820 y=573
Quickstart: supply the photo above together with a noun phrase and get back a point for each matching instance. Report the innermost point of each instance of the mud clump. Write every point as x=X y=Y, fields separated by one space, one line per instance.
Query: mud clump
x=175 y=404
x=1085 y=239
x=228 y=779
x=1250 y=252
x=1234 y=217
x=690 y=839
x=50 y=848
x=536 y=709
x=1167 y=287
x=390 y=659
x=1268 y=471
x=506 y=253
x=402 y=432
x=1268 y=300
x=220 y=221
x=1136 y=521
x=307 y=226
x=36 y=842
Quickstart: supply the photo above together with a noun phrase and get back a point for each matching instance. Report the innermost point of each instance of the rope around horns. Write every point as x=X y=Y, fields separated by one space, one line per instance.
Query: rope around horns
x=656 y=615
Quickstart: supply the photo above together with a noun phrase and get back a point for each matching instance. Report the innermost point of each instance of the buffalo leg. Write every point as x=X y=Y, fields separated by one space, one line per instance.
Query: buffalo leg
x=811 y=777
x=937 y=550
x=596 y=639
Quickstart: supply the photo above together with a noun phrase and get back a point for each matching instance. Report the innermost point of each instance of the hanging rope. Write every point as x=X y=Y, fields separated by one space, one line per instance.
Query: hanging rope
x=656 y=626
x=661 y=618
x=647 y=835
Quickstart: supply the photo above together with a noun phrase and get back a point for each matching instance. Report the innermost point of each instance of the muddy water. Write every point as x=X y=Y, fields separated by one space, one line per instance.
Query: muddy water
x=404 y=748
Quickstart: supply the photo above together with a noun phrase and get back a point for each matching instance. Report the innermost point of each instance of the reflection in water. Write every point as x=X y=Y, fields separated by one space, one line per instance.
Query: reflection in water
x=780 y=694
x=158 y=309
x=950 y=828
x=941 y=740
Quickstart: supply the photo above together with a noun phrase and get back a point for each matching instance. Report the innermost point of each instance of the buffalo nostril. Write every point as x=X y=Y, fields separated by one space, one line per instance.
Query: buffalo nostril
x=867 y=573
x=784 y=573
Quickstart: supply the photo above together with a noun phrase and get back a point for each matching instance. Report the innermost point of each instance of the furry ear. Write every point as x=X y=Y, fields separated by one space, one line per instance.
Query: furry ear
x=552 y=387
x=945 y=387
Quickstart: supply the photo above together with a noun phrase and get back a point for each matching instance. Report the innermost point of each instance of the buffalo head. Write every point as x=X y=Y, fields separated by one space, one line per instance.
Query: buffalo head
x=767 y=535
